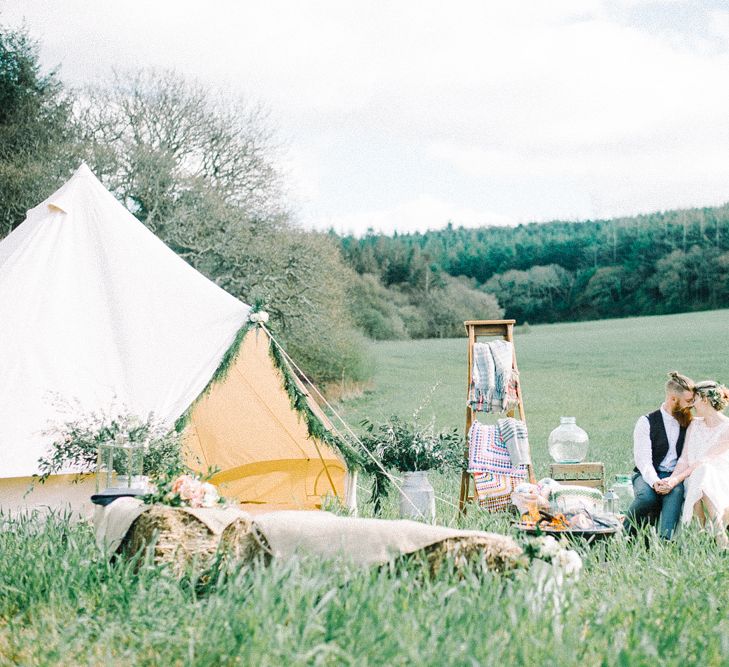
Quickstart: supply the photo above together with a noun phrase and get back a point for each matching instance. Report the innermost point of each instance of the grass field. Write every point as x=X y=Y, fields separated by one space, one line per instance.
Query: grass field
x=637 y=603
x=606 y=374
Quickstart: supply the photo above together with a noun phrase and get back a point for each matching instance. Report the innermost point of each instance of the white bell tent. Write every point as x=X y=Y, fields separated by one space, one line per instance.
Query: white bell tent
x=96 y=311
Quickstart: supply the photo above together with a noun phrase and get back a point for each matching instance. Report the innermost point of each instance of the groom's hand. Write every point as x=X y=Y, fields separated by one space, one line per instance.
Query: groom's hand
x=662 y=487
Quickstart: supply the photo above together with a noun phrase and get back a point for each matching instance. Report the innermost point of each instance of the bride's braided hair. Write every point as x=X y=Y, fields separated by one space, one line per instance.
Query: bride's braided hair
x=717 y=394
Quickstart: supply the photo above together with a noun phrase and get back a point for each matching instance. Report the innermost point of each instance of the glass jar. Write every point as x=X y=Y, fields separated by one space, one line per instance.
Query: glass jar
x=120 y=465
x=623 y=488
x=610 y=502
x=568 y=442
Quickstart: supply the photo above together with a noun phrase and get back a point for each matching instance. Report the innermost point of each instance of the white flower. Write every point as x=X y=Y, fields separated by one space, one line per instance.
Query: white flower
x=569 y=561
x=548 y=547
x=547 y=486
x=261 y=317
x=210 y=495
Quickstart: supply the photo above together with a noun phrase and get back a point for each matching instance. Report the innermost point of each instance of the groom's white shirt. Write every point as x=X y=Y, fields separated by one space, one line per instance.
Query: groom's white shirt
x=642 y=447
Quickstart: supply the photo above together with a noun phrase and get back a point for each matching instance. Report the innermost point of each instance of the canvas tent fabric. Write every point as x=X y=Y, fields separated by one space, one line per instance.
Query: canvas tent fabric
x=96 y=313
x=269 y=457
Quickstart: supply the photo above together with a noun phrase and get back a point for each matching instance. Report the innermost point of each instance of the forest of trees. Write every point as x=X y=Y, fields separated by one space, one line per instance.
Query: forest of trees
x=666 y=262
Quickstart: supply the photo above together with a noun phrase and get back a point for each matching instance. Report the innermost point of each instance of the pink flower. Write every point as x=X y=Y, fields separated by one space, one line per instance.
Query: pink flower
x=195 y=493
x=182 y=482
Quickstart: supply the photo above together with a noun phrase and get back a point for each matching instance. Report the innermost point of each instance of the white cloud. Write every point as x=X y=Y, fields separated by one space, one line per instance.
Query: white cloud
x=577 y=98
x=719 y=26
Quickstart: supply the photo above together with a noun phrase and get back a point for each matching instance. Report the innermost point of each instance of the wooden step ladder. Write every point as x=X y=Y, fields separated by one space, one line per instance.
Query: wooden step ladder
x=481 y=329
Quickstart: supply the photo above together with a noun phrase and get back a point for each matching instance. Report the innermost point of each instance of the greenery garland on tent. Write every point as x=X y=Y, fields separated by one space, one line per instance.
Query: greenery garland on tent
x=299 y=401
x=220 y=373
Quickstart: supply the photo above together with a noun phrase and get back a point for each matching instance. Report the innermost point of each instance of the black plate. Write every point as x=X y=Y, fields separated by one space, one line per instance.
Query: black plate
x=546 y=530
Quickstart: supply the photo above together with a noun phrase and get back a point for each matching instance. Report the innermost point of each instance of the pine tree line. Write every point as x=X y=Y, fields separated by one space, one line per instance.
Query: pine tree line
x=665 y=262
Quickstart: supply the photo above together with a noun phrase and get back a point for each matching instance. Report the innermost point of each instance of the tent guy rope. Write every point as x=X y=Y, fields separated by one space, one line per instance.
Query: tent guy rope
x=393 y=480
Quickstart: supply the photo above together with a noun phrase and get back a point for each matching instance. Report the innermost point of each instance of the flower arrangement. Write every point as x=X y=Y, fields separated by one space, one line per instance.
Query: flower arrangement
x=75 y=442
x=184 y=490
x=552 y=569
x=407 y=447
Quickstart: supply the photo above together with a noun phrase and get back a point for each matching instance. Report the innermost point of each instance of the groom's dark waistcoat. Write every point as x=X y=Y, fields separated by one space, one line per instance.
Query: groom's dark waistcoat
x=659 y=439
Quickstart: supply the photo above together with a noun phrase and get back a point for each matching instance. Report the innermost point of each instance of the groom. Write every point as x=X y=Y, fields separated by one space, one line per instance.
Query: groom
x=657 y=445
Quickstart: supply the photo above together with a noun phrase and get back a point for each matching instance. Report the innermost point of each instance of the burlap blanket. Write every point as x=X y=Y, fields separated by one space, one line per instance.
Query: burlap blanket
x=319 y=534
x=113 y=521
x=362 y=541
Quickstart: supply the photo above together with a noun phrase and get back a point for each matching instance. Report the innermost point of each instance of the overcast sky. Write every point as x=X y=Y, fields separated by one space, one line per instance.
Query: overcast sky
x=405 y=115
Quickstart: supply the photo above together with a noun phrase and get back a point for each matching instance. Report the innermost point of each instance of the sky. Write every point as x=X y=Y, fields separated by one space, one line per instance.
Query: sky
x=403 y=116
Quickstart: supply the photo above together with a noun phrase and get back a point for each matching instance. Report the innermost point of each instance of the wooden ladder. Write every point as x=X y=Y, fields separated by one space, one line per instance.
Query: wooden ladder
x=478 y=329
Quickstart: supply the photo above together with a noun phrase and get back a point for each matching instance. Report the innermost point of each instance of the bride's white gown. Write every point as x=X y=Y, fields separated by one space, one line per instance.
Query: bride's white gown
x=710 y=478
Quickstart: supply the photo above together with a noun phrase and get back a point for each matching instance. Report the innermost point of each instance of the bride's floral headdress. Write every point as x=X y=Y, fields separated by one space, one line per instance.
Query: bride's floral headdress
x=717 y=394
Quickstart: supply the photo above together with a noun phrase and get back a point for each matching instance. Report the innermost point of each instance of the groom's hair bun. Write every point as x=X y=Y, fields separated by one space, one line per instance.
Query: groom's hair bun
x=717 y=394
x=678 y=383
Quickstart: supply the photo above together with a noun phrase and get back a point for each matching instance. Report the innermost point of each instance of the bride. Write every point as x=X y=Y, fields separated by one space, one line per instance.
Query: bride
x=704 y=463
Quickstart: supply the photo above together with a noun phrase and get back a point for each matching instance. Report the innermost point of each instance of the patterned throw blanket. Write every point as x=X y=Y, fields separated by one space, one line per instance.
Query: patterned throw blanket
x=483 y=377
x=494 y=472
x=494 y=491
x=503 y=354
x=493 y=380
x=516 y=438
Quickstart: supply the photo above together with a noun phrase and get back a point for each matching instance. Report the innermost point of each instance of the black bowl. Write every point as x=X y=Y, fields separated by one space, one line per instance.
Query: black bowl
x=108 y=496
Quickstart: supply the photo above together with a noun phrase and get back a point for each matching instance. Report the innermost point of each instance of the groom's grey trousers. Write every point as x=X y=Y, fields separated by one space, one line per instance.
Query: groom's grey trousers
x=648 y=505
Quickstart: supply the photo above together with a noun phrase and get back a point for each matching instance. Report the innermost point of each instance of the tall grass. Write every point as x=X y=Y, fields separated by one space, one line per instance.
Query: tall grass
x=643 y=602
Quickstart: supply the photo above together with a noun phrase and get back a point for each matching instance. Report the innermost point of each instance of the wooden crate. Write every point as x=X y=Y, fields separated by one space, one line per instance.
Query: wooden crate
x=582 y=474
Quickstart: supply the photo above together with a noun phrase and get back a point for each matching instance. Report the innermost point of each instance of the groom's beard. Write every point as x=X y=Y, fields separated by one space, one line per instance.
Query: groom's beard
x=683 y=416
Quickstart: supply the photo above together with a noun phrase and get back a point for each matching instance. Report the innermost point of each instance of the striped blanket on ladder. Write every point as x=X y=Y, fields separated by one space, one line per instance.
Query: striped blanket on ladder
x=493 y=379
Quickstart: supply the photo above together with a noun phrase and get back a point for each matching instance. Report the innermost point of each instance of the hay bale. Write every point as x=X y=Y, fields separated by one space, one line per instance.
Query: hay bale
x=487 y=552
x=243 y=542
x=178 y=539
